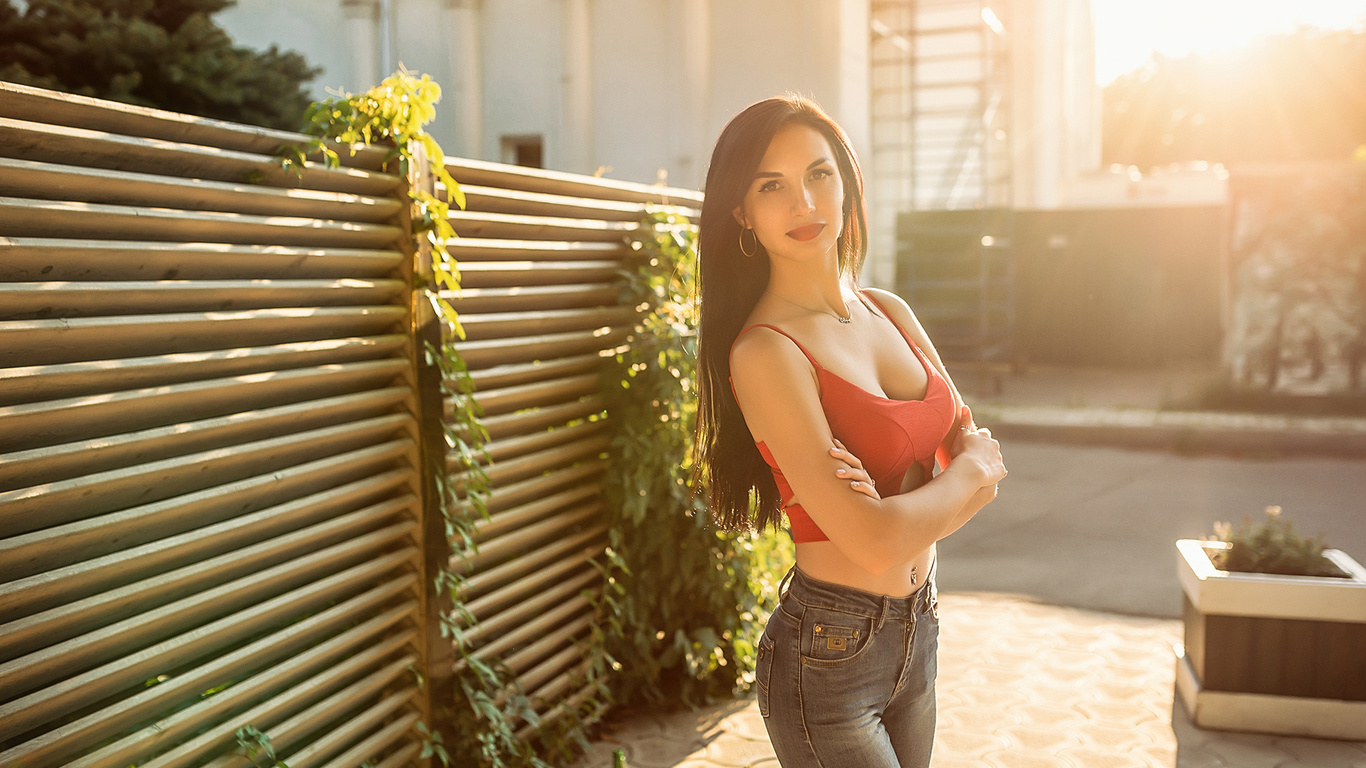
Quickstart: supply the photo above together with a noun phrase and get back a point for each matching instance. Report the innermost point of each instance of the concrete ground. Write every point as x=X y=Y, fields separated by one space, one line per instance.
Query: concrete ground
x=1021 y=685
x=1058 y=600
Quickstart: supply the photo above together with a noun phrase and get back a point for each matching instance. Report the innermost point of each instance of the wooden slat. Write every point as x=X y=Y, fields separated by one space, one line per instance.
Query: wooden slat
x=66 y=109
x=499 y=325
x=571 y=703
x=532 y=464
x=541 y=418
x=508 y=449
x=523 y=540
x=532 y=629
x=520 y=202
x=149 y=522
x=177 y=730
x=20 y=300
x=485 y=354
x=525 y=514
x=42 y=258
x=329 y=526
x=77 y=146
x=468 y=250
x=43 y=342
x=588 y=543
x=507 y=399
x=79 y=735
x=56 y=421
x=385 y=737
x=508 y=226
x=63 y=380
x=513 y=494
x=50 y=181
x=513 y=374
x=58 y=218
x=328 y=745
x=67 y=530
x=541 y=600
x=48 y=464
x=502 y=274
x=221 y=738
x=531 y=297
x=59 y=660
x=503 y=176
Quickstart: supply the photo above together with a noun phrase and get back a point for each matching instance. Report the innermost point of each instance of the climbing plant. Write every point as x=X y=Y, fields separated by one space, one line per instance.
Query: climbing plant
x=684 y=601
x=394 y=114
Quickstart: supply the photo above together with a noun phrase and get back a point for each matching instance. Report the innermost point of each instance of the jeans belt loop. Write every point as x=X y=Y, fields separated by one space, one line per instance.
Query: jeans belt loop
x=782 y=585
x=882 y=615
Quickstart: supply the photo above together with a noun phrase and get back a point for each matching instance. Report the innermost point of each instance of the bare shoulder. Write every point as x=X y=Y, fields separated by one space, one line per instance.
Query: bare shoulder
x=761 y=354
x=901 y=312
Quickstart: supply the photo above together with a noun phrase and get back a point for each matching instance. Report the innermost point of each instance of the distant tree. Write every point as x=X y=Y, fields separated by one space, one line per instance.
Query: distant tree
x=157 y=53
x=1299 y=96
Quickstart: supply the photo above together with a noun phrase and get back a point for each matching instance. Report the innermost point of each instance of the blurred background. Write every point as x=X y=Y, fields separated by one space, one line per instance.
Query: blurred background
x=1051 y=182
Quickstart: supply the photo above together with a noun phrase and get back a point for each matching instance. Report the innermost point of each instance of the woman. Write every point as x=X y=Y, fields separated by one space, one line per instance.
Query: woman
x=828 y=402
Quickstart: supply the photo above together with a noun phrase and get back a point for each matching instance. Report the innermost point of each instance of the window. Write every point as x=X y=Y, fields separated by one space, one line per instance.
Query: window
x=523 y=150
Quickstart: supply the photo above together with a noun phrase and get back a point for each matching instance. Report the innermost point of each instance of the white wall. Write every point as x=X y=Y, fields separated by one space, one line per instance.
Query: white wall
x=1056 y=101
x=315 y=28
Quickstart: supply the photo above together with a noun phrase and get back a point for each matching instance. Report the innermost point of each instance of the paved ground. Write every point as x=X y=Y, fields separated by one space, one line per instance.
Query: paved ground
x=1021 y=685
x=1029 y=677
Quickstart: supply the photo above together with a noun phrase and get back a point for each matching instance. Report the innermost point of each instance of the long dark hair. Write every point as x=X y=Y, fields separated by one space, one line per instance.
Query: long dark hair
x=726 y=460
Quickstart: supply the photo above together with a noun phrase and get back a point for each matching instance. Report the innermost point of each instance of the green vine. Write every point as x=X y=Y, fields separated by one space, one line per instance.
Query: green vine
x=684 y=603
x=395 y=114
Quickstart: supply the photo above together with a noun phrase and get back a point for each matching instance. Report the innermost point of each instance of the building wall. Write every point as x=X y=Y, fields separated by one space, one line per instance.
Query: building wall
x=1056 y=102
x=639 y=89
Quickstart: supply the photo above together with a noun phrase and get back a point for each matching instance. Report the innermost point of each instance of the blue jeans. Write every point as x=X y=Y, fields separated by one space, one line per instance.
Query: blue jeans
x=846 y=677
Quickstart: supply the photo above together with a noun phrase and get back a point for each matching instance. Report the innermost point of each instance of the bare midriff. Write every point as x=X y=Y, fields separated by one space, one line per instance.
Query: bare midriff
x=823 y=560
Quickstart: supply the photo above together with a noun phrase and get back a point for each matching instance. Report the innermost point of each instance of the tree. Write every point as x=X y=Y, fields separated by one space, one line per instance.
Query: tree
x=157 y=53
x=1299 y=96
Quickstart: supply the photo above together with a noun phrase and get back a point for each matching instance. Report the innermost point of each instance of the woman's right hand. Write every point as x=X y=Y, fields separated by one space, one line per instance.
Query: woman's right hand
x=980 y=455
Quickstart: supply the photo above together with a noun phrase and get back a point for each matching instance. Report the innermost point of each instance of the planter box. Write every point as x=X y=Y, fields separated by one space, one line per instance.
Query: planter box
x=1273 y=654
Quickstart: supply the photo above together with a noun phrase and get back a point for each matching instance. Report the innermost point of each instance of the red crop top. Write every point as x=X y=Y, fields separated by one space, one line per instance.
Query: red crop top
x=886 y=435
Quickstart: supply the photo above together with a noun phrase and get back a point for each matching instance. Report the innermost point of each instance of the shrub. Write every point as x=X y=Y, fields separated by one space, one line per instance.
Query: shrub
x=1271 y=546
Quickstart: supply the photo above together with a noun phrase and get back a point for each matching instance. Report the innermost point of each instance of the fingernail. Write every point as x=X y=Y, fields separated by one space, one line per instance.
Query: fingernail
x=840 y=472
x=853 y=484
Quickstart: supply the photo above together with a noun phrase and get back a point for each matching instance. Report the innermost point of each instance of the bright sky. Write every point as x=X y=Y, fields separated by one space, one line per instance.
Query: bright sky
x=1128 y=31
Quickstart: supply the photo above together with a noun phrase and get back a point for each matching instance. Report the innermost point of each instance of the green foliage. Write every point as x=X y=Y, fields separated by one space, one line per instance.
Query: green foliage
x=395 y=113
x=255 y=743
x=1283 y=98
x=156 y=53
x=684 y=602
x=1271 y=546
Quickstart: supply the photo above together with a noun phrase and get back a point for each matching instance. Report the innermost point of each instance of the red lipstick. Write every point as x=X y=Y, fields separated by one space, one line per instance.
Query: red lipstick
x=807 y=232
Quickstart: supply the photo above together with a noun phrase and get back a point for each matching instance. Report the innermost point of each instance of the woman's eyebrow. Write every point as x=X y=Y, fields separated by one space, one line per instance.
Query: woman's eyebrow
x=776 y=175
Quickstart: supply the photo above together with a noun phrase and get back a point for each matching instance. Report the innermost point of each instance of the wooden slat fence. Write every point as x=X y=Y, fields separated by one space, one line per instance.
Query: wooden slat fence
x=209 y=486
x=540 y=257
x=214 y=407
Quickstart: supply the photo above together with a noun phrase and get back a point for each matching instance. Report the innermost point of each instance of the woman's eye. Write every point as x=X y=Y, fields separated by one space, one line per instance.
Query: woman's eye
x=768 y=186
x=822 y=173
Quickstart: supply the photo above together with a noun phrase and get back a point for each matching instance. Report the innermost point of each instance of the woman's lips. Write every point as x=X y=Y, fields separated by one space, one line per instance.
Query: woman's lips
x=805 y=233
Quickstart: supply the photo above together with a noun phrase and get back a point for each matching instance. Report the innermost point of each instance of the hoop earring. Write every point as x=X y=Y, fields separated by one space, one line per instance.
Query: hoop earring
x=750 y=253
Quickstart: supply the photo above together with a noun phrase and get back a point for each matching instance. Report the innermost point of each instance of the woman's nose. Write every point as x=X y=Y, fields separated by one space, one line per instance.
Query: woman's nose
x=804 y=201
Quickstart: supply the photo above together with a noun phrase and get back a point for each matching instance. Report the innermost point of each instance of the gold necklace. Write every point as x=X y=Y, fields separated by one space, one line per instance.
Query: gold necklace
x=836 y=315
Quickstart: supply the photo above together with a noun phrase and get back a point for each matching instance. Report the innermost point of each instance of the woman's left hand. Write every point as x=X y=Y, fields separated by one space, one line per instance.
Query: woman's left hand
x=853 y=471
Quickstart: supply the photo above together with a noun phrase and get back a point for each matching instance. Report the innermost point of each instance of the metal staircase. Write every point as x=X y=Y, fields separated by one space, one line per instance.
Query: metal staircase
x=941 y=98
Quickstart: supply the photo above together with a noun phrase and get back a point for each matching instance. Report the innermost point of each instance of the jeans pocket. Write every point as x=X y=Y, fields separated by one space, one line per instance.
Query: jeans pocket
x=763 y=671
x=834 y=637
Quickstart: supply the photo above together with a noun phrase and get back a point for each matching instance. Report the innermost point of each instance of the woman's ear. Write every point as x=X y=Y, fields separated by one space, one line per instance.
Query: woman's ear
x=739 y=214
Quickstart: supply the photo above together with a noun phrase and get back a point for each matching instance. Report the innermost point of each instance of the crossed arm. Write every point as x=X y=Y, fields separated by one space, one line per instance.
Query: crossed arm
x=778 y=393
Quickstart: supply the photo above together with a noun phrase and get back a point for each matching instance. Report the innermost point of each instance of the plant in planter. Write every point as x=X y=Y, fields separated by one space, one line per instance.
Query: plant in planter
x=1275 y=627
